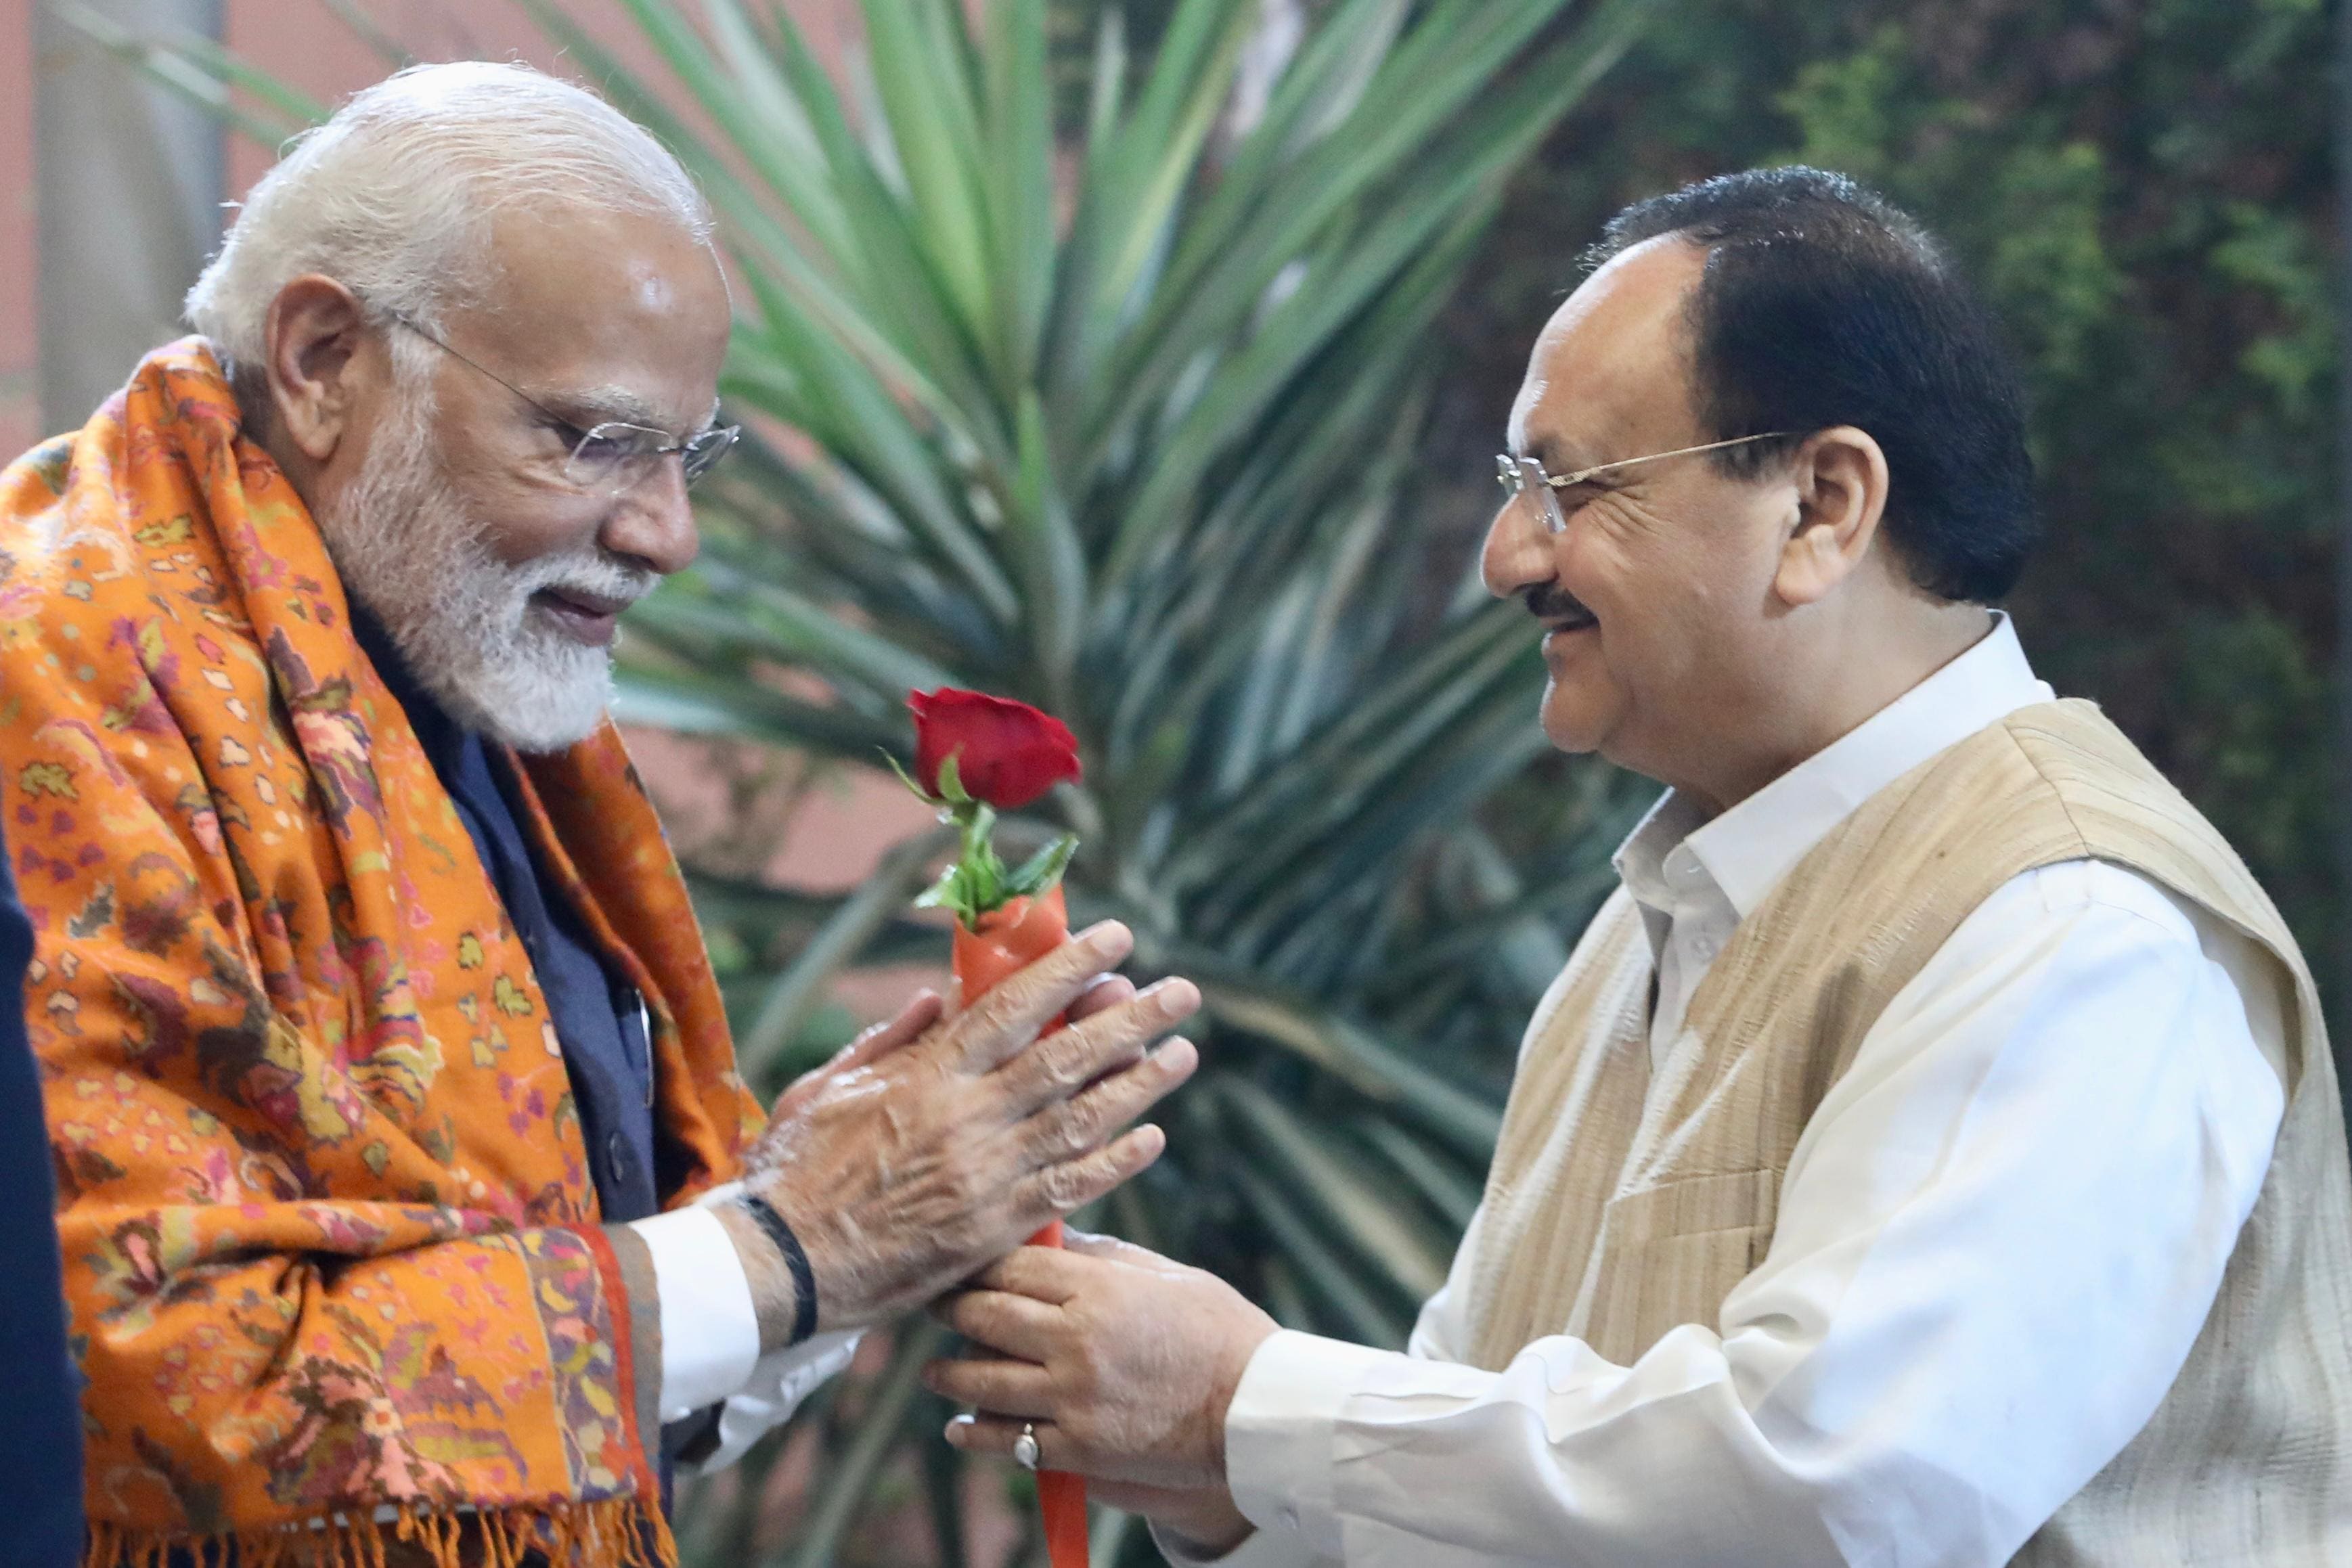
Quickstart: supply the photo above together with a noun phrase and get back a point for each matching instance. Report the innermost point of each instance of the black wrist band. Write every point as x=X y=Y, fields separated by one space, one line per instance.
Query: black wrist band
x=803 y=1277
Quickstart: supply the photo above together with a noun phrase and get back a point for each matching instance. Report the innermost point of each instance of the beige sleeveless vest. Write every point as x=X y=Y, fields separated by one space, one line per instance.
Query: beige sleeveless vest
x=1616 y=1211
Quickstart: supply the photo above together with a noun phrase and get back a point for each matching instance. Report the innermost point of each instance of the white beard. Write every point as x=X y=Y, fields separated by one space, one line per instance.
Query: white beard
x=409 y=548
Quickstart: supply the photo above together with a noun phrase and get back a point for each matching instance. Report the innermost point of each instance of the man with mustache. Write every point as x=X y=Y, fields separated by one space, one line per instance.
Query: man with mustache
x=1931 y=1155
x=410 y=1199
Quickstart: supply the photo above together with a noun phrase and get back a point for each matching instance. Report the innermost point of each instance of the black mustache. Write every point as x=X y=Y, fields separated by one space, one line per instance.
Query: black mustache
x=1551 y=602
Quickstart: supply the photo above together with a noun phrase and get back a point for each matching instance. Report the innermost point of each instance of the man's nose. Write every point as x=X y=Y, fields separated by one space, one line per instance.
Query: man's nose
x=1518 y=552
x=653 y=521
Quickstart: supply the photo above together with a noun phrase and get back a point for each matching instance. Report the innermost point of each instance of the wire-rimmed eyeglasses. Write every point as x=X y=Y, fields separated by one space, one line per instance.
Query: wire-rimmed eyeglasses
x=1526 y=476
x=614 y=457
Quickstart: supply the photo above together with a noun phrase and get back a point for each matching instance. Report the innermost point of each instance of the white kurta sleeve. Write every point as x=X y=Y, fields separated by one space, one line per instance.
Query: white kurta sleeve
x=710 y=1334
x=1997 y=1241
x=710 y=1329
x=1305 y=1380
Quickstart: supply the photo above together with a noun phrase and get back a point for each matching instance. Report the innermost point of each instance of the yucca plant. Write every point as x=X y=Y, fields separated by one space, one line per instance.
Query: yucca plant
x=1113 y=407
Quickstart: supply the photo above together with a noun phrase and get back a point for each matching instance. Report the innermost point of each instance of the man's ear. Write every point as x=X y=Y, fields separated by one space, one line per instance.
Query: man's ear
x=1840 y=476
x=323 y=361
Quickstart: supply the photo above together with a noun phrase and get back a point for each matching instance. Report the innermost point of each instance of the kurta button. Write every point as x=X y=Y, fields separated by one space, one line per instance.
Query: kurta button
x=616 y=1157
x=1289 y=1518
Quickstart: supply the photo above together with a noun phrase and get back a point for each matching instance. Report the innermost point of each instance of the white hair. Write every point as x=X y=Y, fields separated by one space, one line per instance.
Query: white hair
x=394 y=196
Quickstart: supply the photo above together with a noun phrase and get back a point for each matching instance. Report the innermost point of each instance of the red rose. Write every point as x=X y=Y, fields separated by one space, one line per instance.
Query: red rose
x=1007 y=753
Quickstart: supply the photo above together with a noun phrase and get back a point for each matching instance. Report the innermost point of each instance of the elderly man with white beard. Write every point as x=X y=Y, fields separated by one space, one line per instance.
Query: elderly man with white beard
x=410 y=1199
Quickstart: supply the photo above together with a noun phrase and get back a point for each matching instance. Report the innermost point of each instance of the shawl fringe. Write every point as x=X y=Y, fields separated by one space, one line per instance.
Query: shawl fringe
x=614 y=1532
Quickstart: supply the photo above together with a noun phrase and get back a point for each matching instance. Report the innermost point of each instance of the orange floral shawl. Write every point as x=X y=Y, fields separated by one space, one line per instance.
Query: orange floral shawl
x=330 y=1245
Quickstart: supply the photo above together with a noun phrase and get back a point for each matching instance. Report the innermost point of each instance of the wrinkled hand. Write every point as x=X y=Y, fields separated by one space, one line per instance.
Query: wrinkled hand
x=1125 y=1363
x=878 y=1040
x=936 y=1144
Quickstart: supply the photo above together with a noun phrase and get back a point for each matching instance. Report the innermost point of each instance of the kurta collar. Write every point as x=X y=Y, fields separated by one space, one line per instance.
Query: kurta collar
x=1747 y=849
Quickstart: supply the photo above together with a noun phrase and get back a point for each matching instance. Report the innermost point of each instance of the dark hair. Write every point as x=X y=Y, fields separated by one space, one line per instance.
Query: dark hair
x=1824 y=304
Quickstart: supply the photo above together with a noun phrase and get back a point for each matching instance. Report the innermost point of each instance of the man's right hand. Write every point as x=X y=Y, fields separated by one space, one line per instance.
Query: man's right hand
x=935 y=1146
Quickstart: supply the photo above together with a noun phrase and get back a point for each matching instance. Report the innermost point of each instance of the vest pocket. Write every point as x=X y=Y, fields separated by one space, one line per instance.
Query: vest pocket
x=1669 y=1254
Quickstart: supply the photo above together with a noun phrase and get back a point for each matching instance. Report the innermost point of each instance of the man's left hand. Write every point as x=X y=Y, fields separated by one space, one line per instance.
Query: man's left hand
x=877 y=1041
x=1123 y=1361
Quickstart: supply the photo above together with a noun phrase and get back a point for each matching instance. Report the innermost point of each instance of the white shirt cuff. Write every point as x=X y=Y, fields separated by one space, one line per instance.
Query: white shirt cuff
x=710 y=1329
x=1280 y=1434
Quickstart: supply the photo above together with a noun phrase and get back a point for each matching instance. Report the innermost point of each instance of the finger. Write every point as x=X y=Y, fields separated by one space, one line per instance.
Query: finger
x=1046 y=1275
x=996 y=1435
x=1064 y=1131
x=1102 y=992
x=1074 y=1184
x=1068 y=1060
x=1019 y=1388
x=873 y=1043
x=1014 y=1325
x=1015 y=1010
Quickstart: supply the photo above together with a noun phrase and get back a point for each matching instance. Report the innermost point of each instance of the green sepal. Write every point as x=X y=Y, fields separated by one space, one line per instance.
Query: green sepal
x=951 y=796
x=975 y=882
x=917 y=790
x=962 y=890
x=1042 y=870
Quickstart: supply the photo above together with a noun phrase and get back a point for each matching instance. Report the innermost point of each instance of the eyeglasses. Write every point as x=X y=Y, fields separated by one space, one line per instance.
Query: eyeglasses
x=1526 y=476
x=615 y=457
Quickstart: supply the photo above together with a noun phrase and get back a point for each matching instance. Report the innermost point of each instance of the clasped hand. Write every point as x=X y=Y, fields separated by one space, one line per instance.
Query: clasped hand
x=938 y=1143
x=1123 y=1361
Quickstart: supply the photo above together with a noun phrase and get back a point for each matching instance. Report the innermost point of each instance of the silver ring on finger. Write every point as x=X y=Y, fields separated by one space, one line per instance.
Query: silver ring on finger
x=1024 y=1447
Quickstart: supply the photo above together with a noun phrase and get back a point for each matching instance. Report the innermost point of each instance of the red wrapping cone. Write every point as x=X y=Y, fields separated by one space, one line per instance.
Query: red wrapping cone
x=1010 y=939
